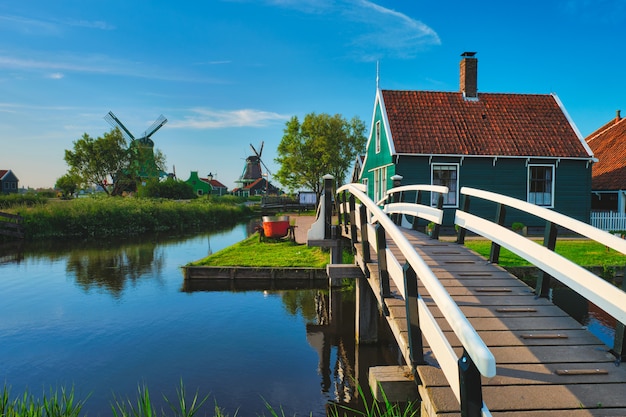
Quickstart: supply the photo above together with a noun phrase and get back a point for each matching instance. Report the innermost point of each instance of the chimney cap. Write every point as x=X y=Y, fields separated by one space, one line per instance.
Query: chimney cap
x=468 y=54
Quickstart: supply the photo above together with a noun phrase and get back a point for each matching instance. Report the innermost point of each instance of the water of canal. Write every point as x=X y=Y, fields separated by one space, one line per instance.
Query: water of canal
x=109 y=317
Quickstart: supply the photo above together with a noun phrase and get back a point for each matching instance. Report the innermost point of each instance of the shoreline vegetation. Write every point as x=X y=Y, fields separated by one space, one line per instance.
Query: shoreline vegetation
x=102 y=216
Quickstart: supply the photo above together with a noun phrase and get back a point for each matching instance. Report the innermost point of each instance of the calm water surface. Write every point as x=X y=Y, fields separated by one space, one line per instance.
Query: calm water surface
x=109 y=317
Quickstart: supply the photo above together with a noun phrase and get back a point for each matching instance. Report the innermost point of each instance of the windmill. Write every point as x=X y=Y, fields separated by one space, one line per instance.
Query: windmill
x=142 y=147
x=252 y=170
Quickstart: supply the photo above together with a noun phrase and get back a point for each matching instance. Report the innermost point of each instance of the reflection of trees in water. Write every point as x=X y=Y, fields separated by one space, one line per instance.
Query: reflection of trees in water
x=112 y=268
x=301 y=301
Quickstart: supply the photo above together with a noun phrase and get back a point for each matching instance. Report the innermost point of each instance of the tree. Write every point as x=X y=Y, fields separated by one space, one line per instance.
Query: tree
x=108 y=160
x=68 y=184
x=321 y=145
x=99 y=161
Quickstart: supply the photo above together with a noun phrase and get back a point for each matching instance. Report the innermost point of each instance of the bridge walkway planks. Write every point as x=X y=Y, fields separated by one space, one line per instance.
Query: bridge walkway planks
x=548 y=364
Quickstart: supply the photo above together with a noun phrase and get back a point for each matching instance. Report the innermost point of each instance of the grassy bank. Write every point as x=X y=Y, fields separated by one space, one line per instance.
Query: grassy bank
x=107 y=216
x=583 y=252
x=277 y=254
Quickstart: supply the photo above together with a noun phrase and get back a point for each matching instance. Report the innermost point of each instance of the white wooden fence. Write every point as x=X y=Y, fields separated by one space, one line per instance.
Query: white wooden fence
x=608 y=221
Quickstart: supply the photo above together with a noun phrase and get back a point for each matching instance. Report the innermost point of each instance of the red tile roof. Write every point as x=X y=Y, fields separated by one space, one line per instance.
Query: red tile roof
x=427 y=122
x=609 y=145
x=214 y=183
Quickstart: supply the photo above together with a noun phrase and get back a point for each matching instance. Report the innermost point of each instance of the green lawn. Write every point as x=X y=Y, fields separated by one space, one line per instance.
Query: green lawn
x=580 y=251
x=276 y=254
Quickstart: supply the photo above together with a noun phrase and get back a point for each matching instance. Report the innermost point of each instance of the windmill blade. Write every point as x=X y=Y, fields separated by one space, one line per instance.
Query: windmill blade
x=261 y=150
x=115 y=122
x=158 y=123
x=266 y=168
x=254 y=150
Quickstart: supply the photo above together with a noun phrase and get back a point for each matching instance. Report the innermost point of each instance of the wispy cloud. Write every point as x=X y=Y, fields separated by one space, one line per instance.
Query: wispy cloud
x=379 y=31
x=92 y=64
x=49 y=26
x=219 y=119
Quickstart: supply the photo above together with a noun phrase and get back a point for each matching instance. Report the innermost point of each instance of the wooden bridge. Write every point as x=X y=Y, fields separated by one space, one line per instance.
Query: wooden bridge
x=476 y=340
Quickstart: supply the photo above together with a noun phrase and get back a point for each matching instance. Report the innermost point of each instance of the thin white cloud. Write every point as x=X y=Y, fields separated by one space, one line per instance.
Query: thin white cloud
x=219 y=119
x=52 y=26
x=93 y=64
x=56 y=76
x=380 y=32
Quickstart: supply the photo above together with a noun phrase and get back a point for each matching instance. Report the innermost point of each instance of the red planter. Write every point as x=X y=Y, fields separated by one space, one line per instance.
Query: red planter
x=275 y=226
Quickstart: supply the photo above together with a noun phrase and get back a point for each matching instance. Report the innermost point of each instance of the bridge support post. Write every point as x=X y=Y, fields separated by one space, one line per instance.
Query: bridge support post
x=336 y=251
x=470 y=387
x=366 y=316
x=494 y=254
x=383 y=272
x=543 y=280
x=619 y=342
x=328 y=204
x=418 y=200
x=365 y=244
x=353 y=228
x=416 y=345
x=460 y=238
x=397 y=197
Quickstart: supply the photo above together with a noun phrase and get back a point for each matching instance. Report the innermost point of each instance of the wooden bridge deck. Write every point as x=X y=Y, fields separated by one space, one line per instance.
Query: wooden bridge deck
x=548 y=364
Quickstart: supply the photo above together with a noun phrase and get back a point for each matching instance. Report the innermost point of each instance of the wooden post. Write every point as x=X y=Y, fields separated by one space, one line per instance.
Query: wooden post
x=365 y=244
x=470 y=387
x=416 y=346
x=366 y=326
x=418 y=200
x=542 y=290
x=435 y=234
x=328 y=204
x=619 y=342
x=494 y=255
x=383 y=272
x=460 y=239
x=353 y=228
x=336 y=250
x=397 y=197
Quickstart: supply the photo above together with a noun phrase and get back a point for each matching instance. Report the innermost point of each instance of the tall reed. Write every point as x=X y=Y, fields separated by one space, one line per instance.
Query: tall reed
x=106 y=217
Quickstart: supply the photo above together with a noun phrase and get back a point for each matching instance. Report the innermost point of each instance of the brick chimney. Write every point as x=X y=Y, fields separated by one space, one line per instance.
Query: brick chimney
x=469 y=75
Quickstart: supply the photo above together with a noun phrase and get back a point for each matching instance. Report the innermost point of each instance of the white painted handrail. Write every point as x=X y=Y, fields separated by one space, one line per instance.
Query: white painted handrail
x=595 y=289
x=473 y=344
x=574 y=225
x=427 y=212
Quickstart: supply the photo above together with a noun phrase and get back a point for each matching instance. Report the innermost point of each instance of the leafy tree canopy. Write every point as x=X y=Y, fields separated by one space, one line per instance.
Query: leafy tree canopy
x=320 y=145
x=109 y=160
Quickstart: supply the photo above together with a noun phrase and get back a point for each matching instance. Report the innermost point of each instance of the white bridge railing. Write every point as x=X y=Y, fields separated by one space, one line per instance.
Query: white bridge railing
x=595 y=289
x=463 y=373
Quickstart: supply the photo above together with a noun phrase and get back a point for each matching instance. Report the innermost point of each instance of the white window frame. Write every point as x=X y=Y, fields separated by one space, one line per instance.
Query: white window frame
x=377 y=133
x=529 y=193
x=455 y=189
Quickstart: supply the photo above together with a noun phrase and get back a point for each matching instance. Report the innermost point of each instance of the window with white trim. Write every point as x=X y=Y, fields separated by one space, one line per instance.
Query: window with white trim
x=447 y=175
x=380 y=183
x=541 y=185
x=378 y=136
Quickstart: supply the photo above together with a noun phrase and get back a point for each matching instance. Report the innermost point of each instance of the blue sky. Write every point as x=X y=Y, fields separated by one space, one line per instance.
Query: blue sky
x=230 y=73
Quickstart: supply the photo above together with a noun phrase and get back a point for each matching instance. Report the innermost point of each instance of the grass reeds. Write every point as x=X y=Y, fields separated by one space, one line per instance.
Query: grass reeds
x=105 y=217
x=63 y=403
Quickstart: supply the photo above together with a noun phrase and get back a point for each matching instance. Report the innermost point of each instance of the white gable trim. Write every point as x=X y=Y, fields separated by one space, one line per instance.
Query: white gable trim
x=378 y=101
x=573 y=125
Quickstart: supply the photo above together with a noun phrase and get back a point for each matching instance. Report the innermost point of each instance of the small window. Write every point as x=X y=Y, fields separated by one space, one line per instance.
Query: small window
x=541 y=185
x=378 y=136
x=447 y=175
x=200 y=191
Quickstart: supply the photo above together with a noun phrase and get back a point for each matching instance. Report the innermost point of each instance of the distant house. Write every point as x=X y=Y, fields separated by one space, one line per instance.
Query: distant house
x=608 y=183
x=260 y=186
x=204 y=186
x=8 y=182
x=521 y=145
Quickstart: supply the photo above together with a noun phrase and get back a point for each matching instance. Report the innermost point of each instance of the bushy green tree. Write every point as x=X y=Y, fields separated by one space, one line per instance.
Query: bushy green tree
x=68 y=184
x=170 y=188
x=321 y=144
x=98 y=161
x=110 y=163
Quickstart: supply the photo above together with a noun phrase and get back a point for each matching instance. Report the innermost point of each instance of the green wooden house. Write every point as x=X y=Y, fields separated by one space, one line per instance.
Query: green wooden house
x=521 y=145
x=205 y=186
x=8 y=182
